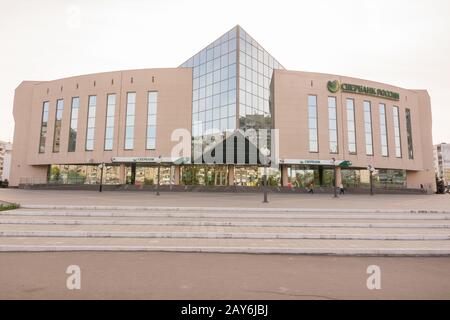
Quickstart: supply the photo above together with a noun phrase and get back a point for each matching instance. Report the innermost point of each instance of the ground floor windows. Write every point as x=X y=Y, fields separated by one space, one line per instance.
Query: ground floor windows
x=310 y=176
x=298 y=176
x=148 y=175
x=204 y=175
x=387 y=179
x=83 y=174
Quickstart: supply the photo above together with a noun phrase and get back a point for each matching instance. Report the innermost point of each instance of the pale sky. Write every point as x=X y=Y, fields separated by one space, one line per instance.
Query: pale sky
x=400 y=42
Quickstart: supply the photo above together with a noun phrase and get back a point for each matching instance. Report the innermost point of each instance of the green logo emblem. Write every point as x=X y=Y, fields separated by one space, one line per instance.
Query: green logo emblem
x=333 y=86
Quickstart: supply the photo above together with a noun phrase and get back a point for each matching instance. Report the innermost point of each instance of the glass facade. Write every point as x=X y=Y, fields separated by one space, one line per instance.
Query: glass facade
x=398 y=141
x=58 y=122
x=90 y=132
x=231 y=86
x=409 y=134
x=368 y=127
x=44 y=125
x=110 y=115
x=214 y=86
x=151 y=120
x=312 y=124
x=351 y=128
x=332 y=125
x=83 y=174
x=129 y=121
x=256 y=67
x=383 y=131
x=73 y=130
x=148 y=175
x=383 y=179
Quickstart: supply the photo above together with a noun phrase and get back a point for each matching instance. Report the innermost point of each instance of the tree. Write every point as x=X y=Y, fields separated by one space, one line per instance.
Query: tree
x=440 y=186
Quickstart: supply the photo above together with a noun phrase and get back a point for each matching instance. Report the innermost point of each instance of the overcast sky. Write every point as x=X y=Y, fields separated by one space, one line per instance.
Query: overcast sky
x=400 y=42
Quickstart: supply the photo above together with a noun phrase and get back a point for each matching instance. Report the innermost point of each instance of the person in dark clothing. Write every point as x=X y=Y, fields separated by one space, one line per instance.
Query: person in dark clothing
x=341 y=189
x=311 y=188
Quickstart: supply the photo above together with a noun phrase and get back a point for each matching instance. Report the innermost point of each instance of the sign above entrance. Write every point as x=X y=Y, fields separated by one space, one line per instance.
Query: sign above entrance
x=150 y=160
x=339 y=163
x=335 y=86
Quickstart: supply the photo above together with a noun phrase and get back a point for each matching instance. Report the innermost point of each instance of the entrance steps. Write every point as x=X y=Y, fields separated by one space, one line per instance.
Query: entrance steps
x=294 y=231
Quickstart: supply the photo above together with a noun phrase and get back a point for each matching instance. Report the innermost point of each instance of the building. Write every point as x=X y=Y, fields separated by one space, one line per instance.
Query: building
x=5 y=160
x=220 y=119
x=442 y=162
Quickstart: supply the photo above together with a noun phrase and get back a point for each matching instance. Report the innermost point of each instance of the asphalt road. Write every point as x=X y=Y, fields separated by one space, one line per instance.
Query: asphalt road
x=138 y=275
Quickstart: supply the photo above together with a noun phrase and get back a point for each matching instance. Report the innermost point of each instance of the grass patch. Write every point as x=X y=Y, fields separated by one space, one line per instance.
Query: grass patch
x=9 y=206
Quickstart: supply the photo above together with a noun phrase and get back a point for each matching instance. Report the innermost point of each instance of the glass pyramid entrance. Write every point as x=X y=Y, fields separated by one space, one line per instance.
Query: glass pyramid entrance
x=231 y=86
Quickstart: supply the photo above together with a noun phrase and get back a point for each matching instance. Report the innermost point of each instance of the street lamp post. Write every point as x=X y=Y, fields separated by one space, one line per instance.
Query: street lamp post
x=335 y=178
x=371 y=170
x=159 y=174
x=266 y=200
x=100 y=189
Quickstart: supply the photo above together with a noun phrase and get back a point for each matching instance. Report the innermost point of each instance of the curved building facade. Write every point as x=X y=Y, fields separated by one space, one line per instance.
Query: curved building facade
x=229 y=115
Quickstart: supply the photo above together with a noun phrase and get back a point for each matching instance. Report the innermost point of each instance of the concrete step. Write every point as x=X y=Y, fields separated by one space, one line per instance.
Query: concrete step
x=291 y=223
x=231 y=209
x=223 y=229
x=255 y=246
x=225 y=214
x=223 y=235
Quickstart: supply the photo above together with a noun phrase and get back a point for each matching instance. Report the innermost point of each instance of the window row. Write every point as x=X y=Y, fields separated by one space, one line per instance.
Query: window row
x=91 y=123
x=215 y=65
x=351 y=127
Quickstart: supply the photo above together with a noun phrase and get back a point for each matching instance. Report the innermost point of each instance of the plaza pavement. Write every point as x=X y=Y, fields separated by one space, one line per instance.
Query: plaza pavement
x=226 y=200
x=144 y=275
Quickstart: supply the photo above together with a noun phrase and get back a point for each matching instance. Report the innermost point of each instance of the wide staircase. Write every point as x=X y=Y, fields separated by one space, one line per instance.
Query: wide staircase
x=226 y=230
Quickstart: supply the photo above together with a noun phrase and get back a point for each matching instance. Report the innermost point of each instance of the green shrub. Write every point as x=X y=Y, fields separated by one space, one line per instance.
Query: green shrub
x=9 y=206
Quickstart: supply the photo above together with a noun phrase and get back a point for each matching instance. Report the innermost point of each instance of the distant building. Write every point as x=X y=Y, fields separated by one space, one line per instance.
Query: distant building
x=5 y=160
x=442 y=162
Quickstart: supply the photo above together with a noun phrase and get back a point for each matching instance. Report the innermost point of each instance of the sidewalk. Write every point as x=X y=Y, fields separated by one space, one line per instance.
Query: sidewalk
x=226 y=200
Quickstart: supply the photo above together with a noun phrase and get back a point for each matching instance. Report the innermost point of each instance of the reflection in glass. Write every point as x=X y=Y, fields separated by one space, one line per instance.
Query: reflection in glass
x=129 y=120
x=90 y=133
x=383 y=131
x=110 y=115
x=73 y=130
x=44 y=124
x=351 y=129
x=58 y=120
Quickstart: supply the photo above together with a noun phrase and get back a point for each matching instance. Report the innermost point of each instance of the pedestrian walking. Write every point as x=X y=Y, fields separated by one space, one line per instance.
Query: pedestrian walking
x=341 y=189
x=311 y=188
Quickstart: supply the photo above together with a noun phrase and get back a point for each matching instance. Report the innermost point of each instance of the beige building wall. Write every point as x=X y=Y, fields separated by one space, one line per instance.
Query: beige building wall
x=174 y=88
x=291 y=90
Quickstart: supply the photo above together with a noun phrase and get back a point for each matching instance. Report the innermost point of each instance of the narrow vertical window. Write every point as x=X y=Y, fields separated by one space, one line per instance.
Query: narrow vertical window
x=351 y=129
x=151 y=120
x=110 y=114
x=383 y=131
x=368 y=127
x=129 y=124
x=398 y=141
x=44 y=124
x=90 y=133
x=74 y=124
x=409 y=132
x=58 y=120
x=332 y=124
x=312 y=119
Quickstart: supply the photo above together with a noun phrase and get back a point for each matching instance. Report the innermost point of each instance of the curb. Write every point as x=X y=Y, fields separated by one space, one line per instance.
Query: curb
x=237 y=250
x=230 y=209
x=220 y=235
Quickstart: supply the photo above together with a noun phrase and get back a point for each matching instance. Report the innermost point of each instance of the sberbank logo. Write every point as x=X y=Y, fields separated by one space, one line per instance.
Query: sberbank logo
x=333 y=86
